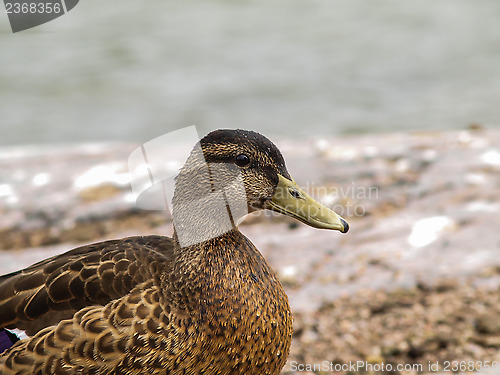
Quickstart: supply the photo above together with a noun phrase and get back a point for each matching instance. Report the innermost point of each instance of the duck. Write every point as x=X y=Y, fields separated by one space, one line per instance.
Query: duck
x=203 y=301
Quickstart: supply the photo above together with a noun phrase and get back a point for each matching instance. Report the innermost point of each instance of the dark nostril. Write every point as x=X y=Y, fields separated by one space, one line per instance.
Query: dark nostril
x=294 y=193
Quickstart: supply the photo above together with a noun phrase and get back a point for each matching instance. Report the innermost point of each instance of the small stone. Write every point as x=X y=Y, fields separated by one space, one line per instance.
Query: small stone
x=488 y=324
x=489 y=341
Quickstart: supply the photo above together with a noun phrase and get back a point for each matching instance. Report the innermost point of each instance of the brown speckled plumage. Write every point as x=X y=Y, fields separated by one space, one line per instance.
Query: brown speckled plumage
x=146 y=305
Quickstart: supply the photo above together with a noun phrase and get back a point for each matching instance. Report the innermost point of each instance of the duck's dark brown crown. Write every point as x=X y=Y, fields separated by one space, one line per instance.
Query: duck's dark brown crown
x=224 y=145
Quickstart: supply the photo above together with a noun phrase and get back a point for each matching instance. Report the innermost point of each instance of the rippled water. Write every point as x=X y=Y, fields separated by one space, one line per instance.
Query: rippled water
x=132 y=70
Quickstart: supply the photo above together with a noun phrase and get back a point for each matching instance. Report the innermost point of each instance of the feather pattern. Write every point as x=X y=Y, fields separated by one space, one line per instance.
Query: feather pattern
x=150 y=305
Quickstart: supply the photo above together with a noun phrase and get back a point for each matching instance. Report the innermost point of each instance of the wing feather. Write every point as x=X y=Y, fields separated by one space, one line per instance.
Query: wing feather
x=56 y=288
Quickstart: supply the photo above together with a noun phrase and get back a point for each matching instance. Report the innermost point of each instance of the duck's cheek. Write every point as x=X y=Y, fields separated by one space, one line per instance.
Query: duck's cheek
x=254 y=205
x=257 y=203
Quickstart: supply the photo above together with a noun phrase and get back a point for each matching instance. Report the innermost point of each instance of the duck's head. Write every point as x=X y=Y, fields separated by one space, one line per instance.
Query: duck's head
x=243 y=171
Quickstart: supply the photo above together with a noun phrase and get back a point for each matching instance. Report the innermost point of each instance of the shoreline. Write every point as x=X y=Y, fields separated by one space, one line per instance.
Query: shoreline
x=423 y=210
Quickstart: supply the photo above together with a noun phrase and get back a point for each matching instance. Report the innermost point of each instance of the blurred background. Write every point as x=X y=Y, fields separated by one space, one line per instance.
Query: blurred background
x=387 y=112
x=125 y=70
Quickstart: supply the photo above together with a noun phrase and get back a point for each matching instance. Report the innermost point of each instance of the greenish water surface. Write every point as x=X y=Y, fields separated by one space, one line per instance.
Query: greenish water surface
x=132 y=70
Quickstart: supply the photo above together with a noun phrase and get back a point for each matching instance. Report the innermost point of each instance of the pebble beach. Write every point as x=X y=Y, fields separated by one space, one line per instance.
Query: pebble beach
x=414 y=282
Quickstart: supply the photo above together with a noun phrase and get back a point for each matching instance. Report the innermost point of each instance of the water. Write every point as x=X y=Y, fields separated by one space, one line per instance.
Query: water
x=132 y=70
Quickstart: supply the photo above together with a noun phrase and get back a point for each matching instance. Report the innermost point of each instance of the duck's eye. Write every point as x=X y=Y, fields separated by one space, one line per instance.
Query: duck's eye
x=242 y=160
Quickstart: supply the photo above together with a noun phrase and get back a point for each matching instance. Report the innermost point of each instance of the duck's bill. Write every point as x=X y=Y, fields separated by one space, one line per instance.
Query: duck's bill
x=291 y=200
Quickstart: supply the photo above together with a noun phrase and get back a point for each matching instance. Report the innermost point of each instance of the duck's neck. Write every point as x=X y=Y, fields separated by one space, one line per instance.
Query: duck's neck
x=222 y=245
x=203 y=218
x=211 y=268
x=209 y=200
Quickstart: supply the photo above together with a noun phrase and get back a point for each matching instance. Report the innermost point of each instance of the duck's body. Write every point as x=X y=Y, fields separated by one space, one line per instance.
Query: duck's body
x=207 y=306
x=149 y=305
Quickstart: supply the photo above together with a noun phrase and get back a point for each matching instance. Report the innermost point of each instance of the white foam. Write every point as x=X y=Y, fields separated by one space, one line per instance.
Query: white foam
x=426 y=231
x=101 y=174
x=491 y=157
x=41 y=179
x=482 y=206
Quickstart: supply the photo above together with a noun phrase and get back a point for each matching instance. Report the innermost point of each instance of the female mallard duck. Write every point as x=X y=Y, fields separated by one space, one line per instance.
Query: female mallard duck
x=202 y=302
